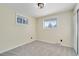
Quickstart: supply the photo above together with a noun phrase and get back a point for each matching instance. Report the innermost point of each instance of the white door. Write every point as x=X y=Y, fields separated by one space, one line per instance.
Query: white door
x=78 y=30
x=75 y=32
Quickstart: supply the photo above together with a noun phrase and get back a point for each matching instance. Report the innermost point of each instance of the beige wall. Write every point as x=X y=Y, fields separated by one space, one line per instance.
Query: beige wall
x=62 y=31
x=12 y=34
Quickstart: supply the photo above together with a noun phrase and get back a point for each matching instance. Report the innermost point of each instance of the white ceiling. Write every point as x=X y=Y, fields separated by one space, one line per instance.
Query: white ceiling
x=31 y=9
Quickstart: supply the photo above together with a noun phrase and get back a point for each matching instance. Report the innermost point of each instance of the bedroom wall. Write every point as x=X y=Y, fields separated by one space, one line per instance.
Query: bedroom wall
x=12 y=34
x=63 y=30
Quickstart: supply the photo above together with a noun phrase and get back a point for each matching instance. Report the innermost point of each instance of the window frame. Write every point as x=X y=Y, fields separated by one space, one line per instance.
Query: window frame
x=50 y=19
x=24 y=19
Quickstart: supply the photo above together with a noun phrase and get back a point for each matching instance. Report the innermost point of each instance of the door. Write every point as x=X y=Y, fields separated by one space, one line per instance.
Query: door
x=75 y=32
x=78 y=31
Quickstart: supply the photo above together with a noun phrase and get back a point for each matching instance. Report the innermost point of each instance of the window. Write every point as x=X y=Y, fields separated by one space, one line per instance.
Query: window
x=21 y=19
x=50 y=23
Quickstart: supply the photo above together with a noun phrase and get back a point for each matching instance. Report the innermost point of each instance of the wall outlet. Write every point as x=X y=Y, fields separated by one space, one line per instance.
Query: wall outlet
x=61 y=40
x=30 y=37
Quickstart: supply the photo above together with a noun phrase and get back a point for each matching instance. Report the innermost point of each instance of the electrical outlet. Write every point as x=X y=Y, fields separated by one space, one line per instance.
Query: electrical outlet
x=30 y=37
x=61 y=40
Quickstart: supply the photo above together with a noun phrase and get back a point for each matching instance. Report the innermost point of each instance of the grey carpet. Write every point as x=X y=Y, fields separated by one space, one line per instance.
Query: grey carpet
x=39 y=48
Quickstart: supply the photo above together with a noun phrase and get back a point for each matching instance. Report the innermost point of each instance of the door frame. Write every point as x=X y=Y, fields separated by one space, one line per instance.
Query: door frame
x=77 y=31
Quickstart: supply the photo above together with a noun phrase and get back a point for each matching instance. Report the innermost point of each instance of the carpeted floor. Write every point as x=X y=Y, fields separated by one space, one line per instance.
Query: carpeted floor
x=39 y=48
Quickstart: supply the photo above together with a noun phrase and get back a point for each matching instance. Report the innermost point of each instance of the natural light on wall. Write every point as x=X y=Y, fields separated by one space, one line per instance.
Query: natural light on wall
x=52 y=23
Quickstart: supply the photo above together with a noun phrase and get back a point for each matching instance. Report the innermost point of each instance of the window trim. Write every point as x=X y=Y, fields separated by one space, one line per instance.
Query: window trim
x=49 y=20
x=23 y=19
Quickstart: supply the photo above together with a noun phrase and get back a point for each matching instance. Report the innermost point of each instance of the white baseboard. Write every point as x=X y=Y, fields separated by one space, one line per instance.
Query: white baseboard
x=14 y=47
x=56 y=43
